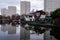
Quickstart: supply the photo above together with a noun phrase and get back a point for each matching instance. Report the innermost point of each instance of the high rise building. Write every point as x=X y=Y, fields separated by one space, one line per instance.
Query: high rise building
x=11 y=10
x=25 y=7
x=8 y=12
x=51 y=5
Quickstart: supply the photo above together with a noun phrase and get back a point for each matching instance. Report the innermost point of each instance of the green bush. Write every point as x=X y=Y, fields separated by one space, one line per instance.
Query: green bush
x=55 y=13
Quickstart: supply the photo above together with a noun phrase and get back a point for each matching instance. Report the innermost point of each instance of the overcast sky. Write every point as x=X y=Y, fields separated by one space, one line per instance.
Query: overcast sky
x=35 y=4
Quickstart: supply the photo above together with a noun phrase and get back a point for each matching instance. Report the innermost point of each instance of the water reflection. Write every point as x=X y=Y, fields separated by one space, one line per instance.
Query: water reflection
x=24 y=34
x=18 y=32
x=29 y=34
x=9 y=32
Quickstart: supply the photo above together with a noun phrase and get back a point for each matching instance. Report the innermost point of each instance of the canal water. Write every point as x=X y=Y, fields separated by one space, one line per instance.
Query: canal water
x=9 y=32
x=18 y=32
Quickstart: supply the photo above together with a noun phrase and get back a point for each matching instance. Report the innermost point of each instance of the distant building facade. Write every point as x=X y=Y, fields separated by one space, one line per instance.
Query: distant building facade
x=11 y=10
x=51 y=5
x=25 y=7
x=8 y=12
x=4 y=11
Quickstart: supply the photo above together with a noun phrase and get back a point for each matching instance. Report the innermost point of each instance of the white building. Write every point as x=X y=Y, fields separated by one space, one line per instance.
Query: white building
x=4 y=11
x=51 y=5
x=11 y=10
x=8 y=12
x=25 y=7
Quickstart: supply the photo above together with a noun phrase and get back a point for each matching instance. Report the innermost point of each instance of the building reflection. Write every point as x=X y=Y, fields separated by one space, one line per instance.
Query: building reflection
x=24 y=33
x=9 y=28
x=3 y=28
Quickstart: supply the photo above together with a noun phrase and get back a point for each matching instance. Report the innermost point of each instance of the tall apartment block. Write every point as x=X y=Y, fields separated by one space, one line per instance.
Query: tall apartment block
x=25 y=7
x=11 y=10
x=51 y=5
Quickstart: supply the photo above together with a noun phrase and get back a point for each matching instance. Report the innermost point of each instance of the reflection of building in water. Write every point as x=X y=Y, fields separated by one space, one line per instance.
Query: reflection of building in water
x=24 y=34
x=12 y=30
x=9 y=28
x=3 y=28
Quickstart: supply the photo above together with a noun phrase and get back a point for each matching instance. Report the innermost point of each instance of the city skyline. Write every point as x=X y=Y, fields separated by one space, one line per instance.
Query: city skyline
x=5 y=4
x=11 y=10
